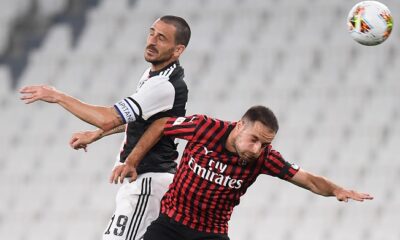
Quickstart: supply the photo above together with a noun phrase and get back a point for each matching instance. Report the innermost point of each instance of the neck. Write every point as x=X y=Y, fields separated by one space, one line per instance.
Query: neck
x=159 y=66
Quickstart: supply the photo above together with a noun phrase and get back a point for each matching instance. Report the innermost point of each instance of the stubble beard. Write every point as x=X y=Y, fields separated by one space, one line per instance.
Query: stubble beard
x=161 y=60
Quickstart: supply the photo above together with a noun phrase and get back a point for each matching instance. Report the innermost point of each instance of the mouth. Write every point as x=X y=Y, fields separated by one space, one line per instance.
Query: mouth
x=151 y=50
x=248 y=157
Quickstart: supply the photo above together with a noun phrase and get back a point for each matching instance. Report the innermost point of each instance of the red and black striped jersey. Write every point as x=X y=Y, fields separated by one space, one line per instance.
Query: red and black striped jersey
x=210 y=180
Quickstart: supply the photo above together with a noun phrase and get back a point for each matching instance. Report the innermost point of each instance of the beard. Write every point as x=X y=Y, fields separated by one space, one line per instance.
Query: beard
x=243 y=155
x=160 y=59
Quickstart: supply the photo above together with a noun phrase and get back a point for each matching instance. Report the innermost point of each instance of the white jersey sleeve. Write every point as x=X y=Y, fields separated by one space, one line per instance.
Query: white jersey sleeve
x=157 y=94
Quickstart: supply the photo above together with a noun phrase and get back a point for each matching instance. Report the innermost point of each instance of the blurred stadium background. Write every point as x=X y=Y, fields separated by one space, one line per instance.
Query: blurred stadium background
x=337 y=102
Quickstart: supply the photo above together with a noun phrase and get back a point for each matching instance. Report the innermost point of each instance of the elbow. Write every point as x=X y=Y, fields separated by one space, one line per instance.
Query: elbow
x=106 y=124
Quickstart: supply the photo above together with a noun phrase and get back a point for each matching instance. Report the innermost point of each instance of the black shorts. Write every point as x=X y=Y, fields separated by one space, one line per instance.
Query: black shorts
x=164 y=228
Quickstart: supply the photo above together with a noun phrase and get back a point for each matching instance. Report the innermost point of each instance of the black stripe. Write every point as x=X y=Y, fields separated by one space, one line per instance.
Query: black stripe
x=144 y=210
x=138 y=106
x=274 y=164
x=179 y=126
x=145 y=196
x=284 y=171
x=142 y=196
x=197 y=155
x=136 y=210
x=182 y=135
x=210 y=187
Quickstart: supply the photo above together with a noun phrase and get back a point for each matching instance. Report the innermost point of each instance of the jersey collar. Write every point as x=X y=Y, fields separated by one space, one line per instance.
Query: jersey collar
x=155 y=73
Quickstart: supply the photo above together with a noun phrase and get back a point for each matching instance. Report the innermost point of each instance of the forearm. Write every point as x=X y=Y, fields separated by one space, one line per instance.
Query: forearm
x=102 y=117
x=323 y=186
x=100 y=133
x=115 y=130
x=151 y=136
x=316 y=184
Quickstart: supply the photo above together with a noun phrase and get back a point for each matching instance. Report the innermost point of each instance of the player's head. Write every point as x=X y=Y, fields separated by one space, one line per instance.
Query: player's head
x=167 y=39
x=254 y=132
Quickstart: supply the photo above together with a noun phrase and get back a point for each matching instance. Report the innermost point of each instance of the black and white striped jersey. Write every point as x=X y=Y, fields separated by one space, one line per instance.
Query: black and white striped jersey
x=159 y=94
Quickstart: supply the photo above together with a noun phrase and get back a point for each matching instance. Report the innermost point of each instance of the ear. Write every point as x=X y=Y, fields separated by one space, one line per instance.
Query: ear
x=179 y=50
x=240 y=124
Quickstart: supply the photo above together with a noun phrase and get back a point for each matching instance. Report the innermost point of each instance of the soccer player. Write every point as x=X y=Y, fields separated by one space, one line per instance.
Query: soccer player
x=220 y=161
x=161 y=93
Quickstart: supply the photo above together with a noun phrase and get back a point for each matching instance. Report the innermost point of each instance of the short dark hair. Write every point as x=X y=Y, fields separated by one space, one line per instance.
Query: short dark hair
x=182 y=35
x=262 y=114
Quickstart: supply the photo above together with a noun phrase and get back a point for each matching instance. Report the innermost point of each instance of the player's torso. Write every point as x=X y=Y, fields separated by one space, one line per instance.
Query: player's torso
x=207 y=186
x=223 y=171
x=161 y=158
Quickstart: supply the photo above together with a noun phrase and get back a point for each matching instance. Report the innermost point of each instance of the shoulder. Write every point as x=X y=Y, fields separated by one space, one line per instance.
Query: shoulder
x=272 y=155
x=214 y=123
x=174 y=75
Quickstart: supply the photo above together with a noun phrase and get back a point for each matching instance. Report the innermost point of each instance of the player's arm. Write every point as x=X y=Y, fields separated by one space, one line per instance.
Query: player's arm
x=323 y=186
x=180 y=127
x=150 y=137
x=105 y=118
x=156 y=95
x=80 y=140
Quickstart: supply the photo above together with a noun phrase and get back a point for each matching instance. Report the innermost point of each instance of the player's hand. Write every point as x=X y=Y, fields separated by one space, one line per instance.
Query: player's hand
x=122 y=171
x=80 y=140
x=31 y=94
x=344 y=195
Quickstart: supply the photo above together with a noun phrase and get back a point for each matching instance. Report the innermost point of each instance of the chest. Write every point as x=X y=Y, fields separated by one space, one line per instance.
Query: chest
x=207 y=161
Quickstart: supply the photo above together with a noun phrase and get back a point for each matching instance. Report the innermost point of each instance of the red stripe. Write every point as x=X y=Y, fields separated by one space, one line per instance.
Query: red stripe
x=277 y=161
x=180 y=131
x=200 y=159
x=272 y=168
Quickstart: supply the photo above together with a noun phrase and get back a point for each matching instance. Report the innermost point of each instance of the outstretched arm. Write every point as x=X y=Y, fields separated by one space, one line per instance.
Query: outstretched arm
x=102 y=117
x=322 y=186
x=150 y=137
x=82 y=139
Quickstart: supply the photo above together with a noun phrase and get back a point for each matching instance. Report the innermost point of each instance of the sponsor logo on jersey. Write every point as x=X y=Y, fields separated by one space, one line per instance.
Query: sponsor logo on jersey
x=214 y=173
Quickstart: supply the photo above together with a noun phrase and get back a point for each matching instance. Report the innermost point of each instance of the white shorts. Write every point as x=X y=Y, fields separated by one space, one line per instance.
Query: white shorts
x=137 y=205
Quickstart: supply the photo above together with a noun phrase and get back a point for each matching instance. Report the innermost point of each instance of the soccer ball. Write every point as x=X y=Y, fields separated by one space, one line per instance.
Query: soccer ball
x=370 y=23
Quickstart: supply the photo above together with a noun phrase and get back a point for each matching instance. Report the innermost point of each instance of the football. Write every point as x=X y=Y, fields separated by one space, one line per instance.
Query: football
x=370 y=23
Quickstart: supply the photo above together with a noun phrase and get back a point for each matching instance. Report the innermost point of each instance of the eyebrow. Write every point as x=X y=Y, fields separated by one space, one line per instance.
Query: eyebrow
x=153 y=29
x=259 y=139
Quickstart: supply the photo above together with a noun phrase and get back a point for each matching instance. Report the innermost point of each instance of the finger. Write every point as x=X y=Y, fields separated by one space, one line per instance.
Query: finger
x=85 y=148
x=123 y=175
x=30 y=100
x=81 y=146
x=26 y=94
x=117 y=175
x=72 y=141
x=111 y=179
x=342 y=198
x=357 y=198
x=133 y=178
x=367 y=196
x=77 y=144
x=360 y=196
x=28 y=89
x=26 y=97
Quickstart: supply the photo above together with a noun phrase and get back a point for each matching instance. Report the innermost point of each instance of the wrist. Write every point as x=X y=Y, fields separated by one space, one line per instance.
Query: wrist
x=59 y=97
x=132 y=162
x=98 y=134
x=337 y=191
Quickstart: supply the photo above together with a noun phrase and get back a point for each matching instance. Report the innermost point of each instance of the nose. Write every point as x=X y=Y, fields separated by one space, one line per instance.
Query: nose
x=257 y=149
x=152 y=40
